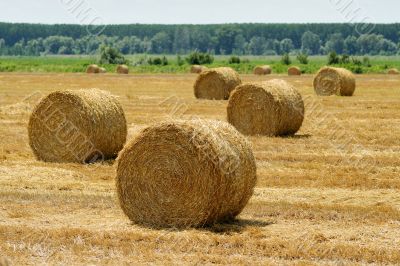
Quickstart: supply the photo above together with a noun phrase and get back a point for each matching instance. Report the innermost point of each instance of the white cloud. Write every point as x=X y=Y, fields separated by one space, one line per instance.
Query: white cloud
x=194 y=12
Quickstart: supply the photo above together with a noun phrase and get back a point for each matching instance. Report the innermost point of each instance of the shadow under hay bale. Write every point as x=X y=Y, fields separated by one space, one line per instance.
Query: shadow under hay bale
x=262 y=70
x=77 y=126
x=237 y=226
x=93 y=69
x=334 y=81
x=294 y=71
x=271 y=108
x=185 y=174
x=122 y=69
x=216 y=83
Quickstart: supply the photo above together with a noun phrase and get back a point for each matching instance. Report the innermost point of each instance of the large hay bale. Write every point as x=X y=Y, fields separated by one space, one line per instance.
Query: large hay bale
x=122 y=69
x=271 y=108
x=294 y=71
x=262 y=70
x=93 y=69
x=216 y=83
x=196 y=69
x=102 y=70
x=4 y=262
x=393 y=71
x=332 y=80
x=77 y=126
x=185 y=174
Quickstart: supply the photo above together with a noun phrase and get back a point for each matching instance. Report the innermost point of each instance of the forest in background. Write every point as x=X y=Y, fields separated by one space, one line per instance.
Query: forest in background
x=225 y=39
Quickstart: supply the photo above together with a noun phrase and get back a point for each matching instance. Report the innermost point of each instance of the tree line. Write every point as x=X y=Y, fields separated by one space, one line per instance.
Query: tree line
x=238 y=39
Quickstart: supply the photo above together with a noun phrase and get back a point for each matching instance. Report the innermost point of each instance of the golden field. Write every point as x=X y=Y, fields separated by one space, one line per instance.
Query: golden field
x=329 y=195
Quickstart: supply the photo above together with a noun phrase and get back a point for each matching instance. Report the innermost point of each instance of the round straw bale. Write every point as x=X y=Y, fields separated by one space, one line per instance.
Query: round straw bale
x=332 y=80
x=185 y=174
x=393 y=71
x=271 y=108
x=102 y=70
x=92 y=69
x=216 y=83
x=196 y=69
x=122 y=69
x=262 y=70
x=77 y=126
x=294 y=71
x=4 y=262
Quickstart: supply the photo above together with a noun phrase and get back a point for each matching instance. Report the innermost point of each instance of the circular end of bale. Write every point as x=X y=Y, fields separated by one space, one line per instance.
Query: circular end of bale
x=93 y=69
x=122 y=69
x=334 y=81
x=216 y=83
x=102 y=70
x=197 y=69
x=271 y=108
x=393 y=71
x=185 y=174
x=81 y=126
x=294 y=71
x=262 y=70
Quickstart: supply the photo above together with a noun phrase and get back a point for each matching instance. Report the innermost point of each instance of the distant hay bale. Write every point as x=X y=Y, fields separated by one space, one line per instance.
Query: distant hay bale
x=196 y=69
x=185 y=174
x=216 y=83
x=271 y=108
x=102 y=70
x=122 y=69
x=331 y=80
x=393 y=71
x=77 y=126
x=93 y=69
x=294 y=71
x=262 y=70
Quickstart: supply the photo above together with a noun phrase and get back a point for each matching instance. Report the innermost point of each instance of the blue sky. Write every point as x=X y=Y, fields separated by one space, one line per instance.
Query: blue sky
x=198 y=11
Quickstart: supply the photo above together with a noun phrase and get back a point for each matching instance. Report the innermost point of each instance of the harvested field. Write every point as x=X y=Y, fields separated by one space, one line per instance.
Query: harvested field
x=328 y=195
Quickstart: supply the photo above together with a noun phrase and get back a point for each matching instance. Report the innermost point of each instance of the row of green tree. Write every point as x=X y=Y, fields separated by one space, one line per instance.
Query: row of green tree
x=239 y=39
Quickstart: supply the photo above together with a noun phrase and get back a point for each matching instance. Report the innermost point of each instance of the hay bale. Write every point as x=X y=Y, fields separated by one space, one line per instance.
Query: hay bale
x=216 y=83
x=393 y=71
x=185 y=174
x=271 y=108
x=196 y=69
x=294 y=71
x=77 y=126
x=5 y=262
x=262 y=70
x=93 y=69
x=102 y=70
x=122 y=69
x=332 y=80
